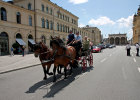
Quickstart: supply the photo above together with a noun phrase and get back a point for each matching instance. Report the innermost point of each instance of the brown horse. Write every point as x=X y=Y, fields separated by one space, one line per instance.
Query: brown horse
x=45 y=54
x=62 y=56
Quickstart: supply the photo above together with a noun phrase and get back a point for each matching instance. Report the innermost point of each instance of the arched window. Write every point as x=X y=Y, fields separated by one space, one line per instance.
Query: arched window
x=30 y=37
x=19 y=36
x=43 y=23
x=29 y=6
x=30 y=20
x=42 y=7
x=51 y=23
x=43 y=39
x=57 y=26
x=47 y=23
x=4 y=42
x=18 y=18
x=3 y=14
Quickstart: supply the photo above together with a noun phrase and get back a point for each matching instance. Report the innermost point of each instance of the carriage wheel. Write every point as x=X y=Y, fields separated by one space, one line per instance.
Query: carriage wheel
x=90 y=60
x=84 y=64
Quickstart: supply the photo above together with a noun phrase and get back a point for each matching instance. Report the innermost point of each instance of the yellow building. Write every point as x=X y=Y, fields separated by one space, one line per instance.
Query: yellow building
x=24 y=22
x=136 y=27
x=95 y=34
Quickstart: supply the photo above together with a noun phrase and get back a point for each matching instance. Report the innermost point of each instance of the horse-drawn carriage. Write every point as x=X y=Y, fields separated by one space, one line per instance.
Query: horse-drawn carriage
x=86 y=58
x=61 y=56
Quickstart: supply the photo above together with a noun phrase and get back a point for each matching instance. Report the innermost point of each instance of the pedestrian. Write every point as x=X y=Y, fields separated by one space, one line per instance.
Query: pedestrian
x=23 y=48
x=12 y=51
x=128 y=48
x=137 y=48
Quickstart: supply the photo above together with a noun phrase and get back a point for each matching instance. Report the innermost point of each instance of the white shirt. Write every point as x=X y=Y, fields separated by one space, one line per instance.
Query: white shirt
x=128 y=46
x=137 y=46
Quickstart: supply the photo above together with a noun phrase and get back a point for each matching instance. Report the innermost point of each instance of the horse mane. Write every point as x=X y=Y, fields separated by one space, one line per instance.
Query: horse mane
x=40 y=45
x=57 y=41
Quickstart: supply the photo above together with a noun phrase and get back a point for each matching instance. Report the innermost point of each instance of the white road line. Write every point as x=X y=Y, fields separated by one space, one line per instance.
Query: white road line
x=134 y=51
x=124 y=74
x=138 y=69
x=103 y=60
x=134 y=59
x=110 y=55
x=132 y=55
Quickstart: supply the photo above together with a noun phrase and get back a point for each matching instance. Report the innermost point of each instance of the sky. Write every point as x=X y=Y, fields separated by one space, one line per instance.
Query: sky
x=110 y=16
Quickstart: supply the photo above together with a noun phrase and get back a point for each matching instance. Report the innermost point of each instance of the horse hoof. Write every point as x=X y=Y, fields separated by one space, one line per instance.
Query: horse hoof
x=51 y=73
x=54 y=80
x=44 y=78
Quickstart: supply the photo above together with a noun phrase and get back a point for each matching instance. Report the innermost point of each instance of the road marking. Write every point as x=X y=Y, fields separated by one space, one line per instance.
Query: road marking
x=138 y=69
x=132 y=55
x=134 y=59
x=103 y=60
x=134 y=51
x=124 y=75
x=110 y=55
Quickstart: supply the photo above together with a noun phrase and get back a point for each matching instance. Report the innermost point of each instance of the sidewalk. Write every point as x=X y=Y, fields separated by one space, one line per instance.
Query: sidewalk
x=11 y=63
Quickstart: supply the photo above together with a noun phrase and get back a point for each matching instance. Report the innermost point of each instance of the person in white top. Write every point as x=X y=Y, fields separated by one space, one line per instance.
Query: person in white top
x=128 y=48
x=137 y=48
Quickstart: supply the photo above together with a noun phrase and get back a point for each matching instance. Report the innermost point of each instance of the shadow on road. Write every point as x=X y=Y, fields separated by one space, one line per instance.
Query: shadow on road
x=59 y=84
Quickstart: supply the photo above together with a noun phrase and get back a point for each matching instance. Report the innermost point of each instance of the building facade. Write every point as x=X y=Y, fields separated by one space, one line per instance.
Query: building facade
x=136 y=27
x=95 y=34
x=24 y=22
x=118 y=39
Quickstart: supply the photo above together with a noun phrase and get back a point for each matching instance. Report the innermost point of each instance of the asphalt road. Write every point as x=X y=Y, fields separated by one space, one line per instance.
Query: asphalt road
x=114 y=76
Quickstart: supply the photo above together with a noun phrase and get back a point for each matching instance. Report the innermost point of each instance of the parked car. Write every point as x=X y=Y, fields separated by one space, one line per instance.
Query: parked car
x=96 y=49
x=111 y=46
x=107 y=45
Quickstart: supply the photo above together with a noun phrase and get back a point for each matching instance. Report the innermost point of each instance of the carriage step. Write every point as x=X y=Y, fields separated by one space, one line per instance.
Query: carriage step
x=46 y=61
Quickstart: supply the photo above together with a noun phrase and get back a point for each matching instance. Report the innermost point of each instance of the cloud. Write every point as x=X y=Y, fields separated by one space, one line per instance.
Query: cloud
x=125 y=22
x=101 y=21
x=81 y=25
x=78 y=1
x=121 y=23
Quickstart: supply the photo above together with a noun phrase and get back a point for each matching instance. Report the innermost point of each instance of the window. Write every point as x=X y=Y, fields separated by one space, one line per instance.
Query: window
x=18 y=18
x=29 y=6
x=43 y=23
x=47 y=23
x=3 y=14
x=30 y=20
x=47 y=9
x=43 y=39
x=57 y=26
x=51 y=12
x=42 y=7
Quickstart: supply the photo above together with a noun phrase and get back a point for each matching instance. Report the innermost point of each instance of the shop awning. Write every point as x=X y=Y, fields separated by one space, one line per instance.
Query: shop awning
x=31 y=41
x=20 y=41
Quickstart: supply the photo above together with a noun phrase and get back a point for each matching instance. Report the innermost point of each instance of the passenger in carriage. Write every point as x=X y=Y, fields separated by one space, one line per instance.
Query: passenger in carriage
x=86 y=44
x=77 y=43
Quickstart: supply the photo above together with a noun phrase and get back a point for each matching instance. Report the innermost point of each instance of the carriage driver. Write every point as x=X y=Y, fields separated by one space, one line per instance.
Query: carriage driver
x=70 y=38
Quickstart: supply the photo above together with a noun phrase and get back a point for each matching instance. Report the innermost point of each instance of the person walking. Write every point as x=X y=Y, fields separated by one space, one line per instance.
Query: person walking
x=23 y=48
x=137 y=48
x=128 y=48
x=12 y=51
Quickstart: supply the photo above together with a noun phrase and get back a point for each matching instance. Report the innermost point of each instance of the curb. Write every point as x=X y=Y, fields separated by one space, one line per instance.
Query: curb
x=16 y=69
